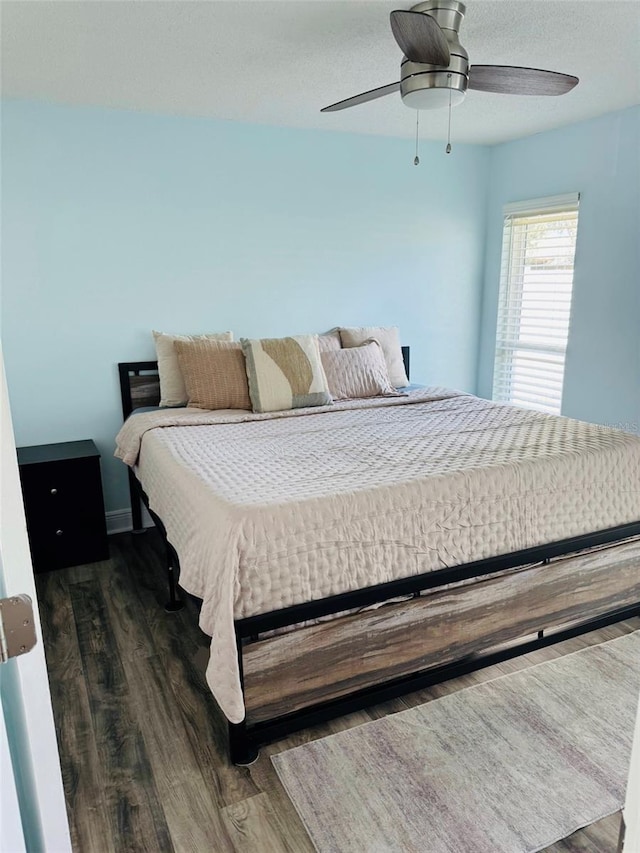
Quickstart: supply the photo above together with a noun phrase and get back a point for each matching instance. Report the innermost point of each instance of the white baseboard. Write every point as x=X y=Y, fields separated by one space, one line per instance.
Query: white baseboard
x=119 y=520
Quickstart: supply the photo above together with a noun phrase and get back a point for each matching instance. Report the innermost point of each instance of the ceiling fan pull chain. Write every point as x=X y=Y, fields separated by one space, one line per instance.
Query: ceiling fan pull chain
x=416 y=159
x=448 y=148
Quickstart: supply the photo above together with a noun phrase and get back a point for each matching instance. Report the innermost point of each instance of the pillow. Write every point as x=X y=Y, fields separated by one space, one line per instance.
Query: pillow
x=357 y=372
x=285 y=373
x=172 y=390
x=389 y=340
x=214 y=374
x=329 y=341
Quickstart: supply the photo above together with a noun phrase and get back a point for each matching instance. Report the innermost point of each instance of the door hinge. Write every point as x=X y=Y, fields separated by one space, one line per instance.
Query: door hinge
x=17 y=629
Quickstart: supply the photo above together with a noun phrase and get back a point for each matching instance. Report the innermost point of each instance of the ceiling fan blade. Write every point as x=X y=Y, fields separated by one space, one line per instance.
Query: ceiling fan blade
x=512 y=80
x=362 y=98
x=420 y=38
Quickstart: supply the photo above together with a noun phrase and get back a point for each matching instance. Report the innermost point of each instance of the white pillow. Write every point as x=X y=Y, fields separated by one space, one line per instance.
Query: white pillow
x=389 y=339
x=172 y=388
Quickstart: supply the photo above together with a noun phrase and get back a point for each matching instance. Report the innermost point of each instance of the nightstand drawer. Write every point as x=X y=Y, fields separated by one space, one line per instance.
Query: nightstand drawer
x=58 y=491
x=69 y=544
x=64 y=507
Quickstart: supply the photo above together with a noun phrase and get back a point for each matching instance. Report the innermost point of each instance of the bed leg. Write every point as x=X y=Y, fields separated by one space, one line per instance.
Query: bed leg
x=136 y=505
x=174 y=602
x=242 y=751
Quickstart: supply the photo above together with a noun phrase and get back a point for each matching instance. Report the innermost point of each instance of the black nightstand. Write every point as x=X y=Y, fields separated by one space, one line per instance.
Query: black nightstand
x=63 y=501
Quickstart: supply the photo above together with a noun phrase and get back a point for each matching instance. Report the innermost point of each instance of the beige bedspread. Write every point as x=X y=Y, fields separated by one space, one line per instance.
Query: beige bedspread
x=266 y=511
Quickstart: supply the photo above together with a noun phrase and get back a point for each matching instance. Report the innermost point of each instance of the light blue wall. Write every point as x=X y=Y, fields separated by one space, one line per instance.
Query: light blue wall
x=600 y=159
x=114 y=223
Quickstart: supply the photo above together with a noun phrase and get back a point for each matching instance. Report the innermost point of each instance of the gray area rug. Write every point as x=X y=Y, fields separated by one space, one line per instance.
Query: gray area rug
x=509 y=766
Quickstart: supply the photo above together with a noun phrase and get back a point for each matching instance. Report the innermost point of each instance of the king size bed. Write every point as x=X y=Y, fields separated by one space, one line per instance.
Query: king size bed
x=345 y=554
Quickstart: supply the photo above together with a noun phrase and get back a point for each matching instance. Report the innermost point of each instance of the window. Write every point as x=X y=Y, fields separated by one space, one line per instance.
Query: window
x=534 y=307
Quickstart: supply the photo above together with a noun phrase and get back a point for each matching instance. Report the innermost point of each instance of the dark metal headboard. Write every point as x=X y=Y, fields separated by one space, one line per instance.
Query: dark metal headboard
x=405 y=358
x=140 y=383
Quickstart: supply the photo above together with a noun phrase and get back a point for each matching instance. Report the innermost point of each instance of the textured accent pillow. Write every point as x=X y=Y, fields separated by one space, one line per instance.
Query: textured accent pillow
x=357 y=372
x=285 y=373
x=329 y=341
x=389 y=339
x=214 y=374
x=172 y=389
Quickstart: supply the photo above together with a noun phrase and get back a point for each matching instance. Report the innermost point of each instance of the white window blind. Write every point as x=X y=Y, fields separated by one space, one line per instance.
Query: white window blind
x=534 y=307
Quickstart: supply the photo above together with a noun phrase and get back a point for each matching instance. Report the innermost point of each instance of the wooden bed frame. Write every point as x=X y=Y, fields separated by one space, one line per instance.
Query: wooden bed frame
x=518 y=602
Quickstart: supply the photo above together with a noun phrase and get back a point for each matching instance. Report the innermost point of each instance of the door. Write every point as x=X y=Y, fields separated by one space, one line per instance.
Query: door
x=33 y=816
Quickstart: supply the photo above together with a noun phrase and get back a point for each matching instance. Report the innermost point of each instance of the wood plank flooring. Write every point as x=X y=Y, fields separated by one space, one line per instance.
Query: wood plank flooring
x=143 y=746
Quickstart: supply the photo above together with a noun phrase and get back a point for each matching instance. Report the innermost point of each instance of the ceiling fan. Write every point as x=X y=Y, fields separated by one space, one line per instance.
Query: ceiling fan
x=435 y=71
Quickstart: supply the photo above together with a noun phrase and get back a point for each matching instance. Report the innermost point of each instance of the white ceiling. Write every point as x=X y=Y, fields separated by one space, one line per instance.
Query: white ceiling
x=278 y=62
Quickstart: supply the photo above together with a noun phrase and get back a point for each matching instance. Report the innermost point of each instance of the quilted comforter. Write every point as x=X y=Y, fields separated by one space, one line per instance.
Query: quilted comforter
x=270 y=510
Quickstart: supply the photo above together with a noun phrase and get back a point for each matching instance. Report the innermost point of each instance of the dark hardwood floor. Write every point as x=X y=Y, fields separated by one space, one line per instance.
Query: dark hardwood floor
x=143 y=746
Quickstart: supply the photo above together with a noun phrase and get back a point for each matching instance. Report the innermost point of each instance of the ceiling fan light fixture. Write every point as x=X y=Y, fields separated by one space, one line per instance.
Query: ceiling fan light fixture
x=432 y=99
x=427 y=88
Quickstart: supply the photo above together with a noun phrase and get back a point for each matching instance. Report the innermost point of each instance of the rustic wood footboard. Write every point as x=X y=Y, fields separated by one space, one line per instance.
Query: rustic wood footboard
x=532 y=598
x=287 y=672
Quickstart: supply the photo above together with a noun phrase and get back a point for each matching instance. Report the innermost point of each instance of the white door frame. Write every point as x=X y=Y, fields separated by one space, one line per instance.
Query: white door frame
x=11 y=834
x=24 y=684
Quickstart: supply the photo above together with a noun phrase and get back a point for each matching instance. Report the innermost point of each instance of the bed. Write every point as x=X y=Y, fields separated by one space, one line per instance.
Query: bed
x=347 y=554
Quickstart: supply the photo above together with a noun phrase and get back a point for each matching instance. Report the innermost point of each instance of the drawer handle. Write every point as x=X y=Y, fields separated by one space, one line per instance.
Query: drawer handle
x=54 y=491
x=58 y=532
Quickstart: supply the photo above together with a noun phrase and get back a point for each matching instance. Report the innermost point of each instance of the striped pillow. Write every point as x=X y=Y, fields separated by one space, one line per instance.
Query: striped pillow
x=172 y=389
x=285 y=373
x=214 y=374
